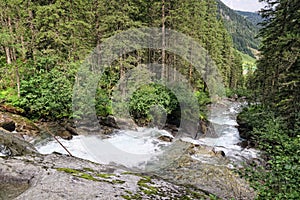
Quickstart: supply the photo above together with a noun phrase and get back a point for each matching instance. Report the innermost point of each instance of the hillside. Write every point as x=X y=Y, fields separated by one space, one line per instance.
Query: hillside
x=242 y=30
x=255 y=18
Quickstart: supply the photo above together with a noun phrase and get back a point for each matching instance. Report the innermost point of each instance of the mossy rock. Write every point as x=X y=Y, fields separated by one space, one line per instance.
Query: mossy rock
x=22 y=124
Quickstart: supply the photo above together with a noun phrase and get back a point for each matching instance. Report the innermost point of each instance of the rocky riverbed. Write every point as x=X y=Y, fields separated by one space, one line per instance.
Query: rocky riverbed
x=183 y=168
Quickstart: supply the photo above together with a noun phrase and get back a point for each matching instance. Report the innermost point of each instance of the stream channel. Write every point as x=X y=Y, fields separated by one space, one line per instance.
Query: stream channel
x=142 y=150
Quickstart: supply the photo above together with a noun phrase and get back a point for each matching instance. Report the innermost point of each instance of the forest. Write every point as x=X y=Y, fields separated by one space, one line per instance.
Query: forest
x=44 y=43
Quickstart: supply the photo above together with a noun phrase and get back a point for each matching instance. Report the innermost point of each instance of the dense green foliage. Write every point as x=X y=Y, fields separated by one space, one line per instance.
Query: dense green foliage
x=242 y=30
x=44 y=42
x=147 y=97
x=47 y=95
x=280 y=178
x=274 y=124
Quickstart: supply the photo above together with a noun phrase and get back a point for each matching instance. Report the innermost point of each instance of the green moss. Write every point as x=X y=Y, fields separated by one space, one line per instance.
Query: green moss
x=68 y=170
x=144 y=182
x=127 y=191
x=106 y=176
x=149 y=191
x=213 y=197
x=185 y=198
x=88 y=177
x=126 y=197
x=88 y=169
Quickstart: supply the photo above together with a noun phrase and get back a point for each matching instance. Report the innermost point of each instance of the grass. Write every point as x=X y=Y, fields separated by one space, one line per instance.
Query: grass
x=246 y=58
x=249 y=63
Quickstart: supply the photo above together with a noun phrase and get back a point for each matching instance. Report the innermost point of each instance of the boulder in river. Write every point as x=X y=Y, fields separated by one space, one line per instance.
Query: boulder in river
x=165 y=138
x=10 y=145
x=117 y=123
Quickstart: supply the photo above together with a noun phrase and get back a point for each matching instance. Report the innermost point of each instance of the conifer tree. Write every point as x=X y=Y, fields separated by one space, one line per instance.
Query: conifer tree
x=278 y=74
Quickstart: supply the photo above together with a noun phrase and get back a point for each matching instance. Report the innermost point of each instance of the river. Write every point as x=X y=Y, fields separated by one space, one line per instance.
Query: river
x=142 y=150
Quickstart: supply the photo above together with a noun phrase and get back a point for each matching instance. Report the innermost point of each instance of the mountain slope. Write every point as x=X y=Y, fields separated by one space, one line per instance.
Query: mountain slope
x=243 y=31
x=254 y=18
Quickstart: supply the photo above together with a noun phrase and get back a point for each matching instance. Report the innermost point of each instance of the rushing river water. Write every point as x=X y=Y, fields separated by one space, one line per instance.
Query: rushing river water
x=141 y=148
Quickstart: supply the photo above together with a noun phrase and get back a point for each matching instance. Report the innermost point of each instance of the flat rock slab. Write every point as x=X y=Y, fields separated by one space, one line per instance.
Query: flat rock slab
x=63 y=177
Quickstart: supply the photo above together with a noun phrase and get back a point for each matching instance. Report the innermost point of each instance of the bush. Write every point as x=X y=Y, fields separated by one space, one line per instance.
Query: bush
x=47 y=94
x=9 y=95
x=149 y=96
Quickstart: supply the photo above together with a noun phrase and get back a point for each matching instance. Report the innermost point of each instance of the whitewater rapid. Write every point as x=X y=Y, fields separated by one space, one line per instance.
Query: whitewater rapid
x=136 y=149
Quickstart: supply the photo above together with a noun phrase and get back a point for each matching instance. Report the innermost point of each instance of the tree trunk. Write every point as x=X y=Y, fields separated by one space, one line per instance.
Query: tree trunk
x=18 y=81
x=122 y=74
x=163 y=54
x=32 y=49
x=7 y=53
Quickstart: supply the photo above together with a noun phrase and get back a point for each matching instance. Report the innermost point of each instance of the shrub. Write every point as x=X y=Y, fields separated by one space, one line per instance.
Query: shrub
x=47 y=95
x=280 y=178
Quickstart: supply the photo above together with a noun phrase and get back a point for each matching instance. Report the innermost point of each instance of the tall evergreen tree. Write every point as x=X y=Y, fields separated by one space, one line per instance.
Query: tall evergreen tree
x=278 y=70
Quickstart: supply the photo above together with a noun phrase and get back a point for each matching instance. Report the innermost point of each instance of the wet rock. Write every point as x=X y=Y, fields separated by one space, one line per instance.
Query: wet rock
x=219 y=153
x=190 y=127
x=109 y=121
x=244 y=144
x=203 y=168
x=14 y=146
x=171 y=128
x=9 y=126
x=126 y=124
x=83 y=130
x=117 y=123
x=214 y=178
x=206 y=129
x=106 y=130
x=11 y=186
x=57 y=129
x=71 y=129
x=5 y=150
x=165 y=138
x=65 y=135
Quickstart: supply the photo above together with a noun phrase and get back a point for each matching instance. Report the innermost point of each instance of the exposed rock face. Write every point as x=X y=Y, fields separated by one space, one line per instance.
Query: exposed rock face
x=210 y=172
x=63 y=177
x=56 y=176
x=118 y=123
x=56 y=129
x=21 y=124
x=14 y=146
x=206 y=129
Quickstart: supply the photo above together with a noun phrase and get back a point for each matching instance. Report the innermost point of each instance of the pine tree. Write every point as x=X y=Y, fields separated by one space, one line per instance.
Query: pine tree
x=278 y=74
